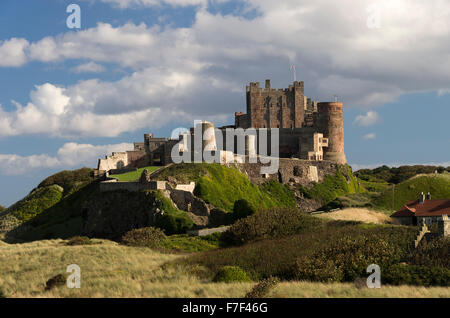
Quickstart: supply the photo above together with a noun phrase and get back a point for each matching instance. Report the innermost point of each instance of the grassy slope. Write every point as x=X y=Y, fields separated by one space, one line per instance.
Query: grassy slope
x=112 y=270
x=134 y=175
x=222 y=186
x=437 y=184
x=36 y=202
x=341 y=183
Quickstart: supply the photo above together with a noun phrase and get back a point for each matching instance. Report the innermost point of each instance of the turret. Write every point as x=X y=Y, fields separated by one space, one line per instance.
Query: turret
x=331 y=124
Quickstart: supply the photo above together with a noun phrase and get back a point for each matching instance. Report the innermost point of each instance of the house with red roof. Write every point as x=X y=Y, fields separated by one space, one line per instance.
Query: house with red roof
x=424 y=209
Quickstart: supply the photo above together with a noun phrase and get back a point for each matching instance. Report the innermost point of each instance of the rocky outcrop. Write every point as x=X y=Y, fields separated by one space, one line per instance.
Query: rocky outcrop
x=114 y=213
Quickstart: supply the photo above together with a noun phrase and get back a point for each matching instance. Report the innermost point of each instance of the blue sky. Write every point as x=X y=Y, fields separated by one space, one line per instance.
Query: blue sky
x=69 y=96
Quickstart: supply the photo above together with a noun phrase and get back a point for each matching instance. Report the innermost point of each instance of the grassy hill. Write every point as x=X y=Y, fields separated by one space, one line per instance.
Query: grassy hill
x=341 y=183
x=437 y=184
x=221 y=186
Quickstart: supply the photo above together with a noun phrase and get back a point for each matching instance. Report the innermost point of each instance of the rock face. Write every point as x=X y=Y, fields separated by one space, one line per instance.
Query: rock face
x=114 y=213
x=145 y=177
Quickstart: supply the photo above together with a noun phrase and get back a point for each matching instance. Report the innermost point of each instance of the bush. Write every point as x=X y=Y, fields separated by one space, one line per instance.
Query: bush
x=262 y=288
x=58 y=280
x=174 y=223
x=80 y=240
x=146 y=237
x=347 y=259
x=2 y=208
x=274 y=222
x=242 y=208
x=431 y=253
x=400 y=274
x=229 y=274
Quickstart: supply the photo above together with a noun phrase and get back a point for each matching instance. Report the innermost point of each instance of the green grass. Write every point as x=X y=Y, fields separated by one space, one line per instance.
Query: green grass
x=36 y=202
x=374 y=186
x=190 y=244
x=341 y=183
x=134 y=175
x=437 y=184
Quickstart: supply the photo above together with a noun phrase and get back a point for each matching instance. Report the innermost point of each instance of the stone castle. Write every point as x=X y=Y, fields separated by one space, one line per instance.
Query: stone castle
x=308 y=130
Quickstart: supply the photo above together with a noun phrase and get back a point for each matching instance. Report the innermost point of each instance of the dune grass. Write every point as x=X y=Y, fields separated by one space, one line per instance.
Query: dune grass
x=357 y=214
x=112 y=270
x=134 y=175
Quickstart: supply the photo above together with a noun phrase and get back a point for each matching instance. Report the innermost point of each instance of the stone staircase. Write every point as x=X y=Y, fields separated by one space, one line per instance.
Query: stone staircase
x=422 y=232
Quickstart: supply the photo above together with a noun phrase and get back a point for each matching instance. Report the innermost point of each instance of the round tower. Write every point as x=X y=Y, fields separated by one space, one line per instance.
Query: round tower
x=331 y=124
x=209 y=136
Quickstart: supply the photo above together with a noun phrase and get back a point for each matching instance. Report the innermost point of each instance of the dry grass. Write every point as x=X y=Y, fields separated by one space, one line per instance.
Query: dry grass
x=112 y=270
x=344 y=290
x=358 y=214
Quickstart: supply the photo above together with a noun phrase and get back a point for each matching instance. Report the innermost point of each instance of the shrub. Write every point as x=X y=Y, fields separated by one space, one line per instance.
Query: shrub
x=431 y=253
x=229 y=274
x=242 y=208
x=2 y=208
x=174 y=223
x=58 y=280
x=347 y=259
x=400 y=274
x=147 y=237
x=80 y=240
x=263 y=287
x=220 y=217
x=269 y=223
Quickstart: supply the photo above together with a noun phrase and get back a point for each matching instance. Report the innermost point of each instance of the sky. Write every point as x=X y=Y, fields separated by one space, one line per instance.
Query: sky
x=71 y=95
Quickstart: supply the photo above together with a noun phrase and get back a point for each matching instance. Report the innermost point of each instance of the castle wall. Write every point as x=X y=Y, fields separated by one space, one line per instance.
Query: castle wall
x=290 y=170
x=273 y=108
x=117 y=160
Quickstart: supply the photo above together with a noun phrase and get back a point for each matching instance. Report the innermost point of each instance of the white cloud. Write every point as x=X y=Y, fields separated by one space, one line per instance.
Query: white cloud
x=369 y=136
x=370 y=118
x=12 y=52
x=90 y=67
x=70 y=155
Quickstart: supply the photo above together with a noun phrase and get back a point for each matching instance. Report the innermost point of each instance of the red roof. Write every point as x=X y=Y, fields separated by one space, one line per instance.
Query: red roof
x=428 y=208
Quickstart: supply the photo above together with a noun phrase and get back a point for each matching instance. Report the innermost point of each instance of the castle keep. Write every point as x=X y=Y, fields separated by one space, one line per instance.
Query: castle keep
x=308 y=130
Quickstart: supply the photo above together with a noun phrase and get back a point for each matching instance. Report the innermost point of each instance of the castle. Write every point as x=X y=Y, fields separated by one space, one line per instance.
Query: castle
x=308 y=130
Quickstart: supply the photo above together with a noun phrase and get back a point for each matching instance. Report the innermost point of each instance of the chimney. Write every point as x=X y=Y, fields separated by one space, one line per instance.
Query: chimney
x=267 y=83
x=421 y=198
x=428 y=196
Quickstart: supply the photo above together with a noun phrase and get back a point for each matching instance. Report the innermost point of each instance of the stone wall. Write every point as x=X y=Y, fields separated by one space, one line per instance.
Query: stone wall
x=114 y=185
x=290 y=170
x=117 y=160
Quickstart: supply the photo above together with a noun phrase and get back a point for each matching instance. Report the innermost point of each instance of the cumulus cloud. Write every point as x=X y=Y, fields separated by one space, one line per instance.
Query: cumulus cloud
x=70 y=155
x=201 y=70
x=90 y=67
x=12 y=52
x=370 y=118
x=369 y=136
